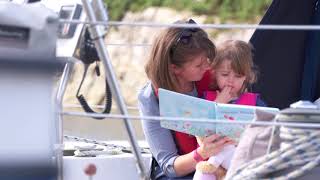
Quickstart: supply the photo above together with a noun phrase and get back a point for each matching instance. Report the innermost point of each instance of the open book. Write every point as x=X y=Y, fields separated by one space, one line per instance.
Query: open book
x=174 y=104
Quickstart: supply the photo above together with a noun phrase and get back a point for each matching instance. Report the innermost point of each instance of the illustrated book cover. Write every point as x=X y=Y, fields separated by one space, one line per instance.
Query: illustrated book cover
x=173 y=104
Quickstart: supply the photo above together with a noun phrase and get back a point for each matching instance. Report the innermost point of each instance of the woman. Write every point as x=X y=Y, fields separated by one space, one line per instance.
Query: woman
x=179 y=61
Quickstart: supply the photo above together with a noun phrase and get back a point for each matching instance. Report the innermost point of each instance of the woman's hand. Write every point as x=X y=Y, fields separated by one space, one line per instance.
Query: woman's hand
x=211 y=145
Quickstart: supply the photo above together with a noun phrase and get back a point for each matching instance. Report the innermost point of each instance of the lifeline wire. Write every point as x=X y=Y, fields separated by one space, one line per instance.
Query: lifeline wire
x=205 y=26
x=200 y=120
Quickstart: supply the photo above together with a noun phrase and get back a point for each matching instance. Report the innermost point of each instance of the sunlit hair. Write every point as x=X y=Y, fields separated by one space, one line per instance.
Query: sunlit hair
x=166 y=51
x=240 y=55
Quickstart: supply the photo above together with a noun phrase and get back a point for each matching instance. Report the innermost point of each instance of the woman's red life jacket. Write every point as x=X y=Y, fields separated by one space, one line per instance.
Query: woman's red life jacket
x=185 y=142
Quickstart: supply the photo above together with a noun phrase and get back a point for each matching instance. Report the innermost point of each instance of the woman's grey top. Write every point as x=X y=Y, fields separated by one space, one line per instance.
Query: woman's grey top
x=160 y=140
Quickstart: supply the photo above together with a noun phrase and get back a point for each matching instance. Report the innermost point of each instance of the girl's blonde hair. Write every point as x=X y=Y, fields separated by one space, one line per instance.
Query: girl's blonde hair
x=168 y=49
x=240 y=55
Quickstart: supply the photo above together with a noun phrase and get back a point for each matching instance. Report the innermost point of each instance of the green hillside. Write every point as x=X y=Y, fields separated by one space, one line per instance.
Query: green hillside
x=237 y=10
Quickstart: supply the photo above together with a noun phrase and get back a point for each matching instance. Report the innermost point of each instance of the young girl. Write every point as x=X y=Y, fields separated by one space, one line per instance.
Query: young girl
x=179 y=61
x=234 y=73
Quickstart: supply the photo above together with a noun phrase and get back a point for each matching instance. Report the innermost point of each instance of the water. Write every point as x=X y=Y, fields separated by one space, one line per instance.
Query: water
x=107 y=129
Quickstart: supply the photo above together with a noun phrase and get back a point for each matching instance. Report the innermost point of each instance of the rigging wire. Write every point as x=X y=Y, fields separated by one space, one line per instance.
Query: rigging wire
x=205 y=26
x=200 y=120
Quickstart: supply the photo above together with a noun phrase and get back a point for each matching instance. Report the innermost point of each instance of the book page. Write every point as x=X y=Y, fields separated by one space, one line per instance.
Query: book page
x=235 y=112
x=174 y=104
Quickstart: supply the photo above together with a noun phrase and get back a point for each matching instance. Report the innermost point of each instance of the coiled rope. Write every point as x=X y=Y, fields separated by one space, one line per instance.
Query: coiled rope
x=300 y=148
x=109 y=149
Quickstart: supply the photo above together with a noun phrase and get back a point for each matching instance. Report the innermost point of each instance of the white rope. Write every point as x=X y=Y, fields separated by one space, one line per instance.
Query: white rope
x=205 y=26
x=108 y=146
x=92 y=141
x=94 y=153
x=199 y=120
x=300 y=150
x=93 y=150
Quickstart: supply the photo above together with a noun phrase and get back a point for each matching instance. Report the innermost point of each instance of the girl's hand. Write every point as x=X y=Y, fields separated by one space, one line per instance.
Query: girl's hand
x=211 y=145
x=224 y=96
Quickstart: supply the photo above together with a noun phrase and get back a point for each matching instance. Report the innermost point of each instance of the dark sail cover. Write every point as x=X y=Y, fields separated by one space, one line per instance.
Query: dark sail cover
x=280 y=54
x=310 y=89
